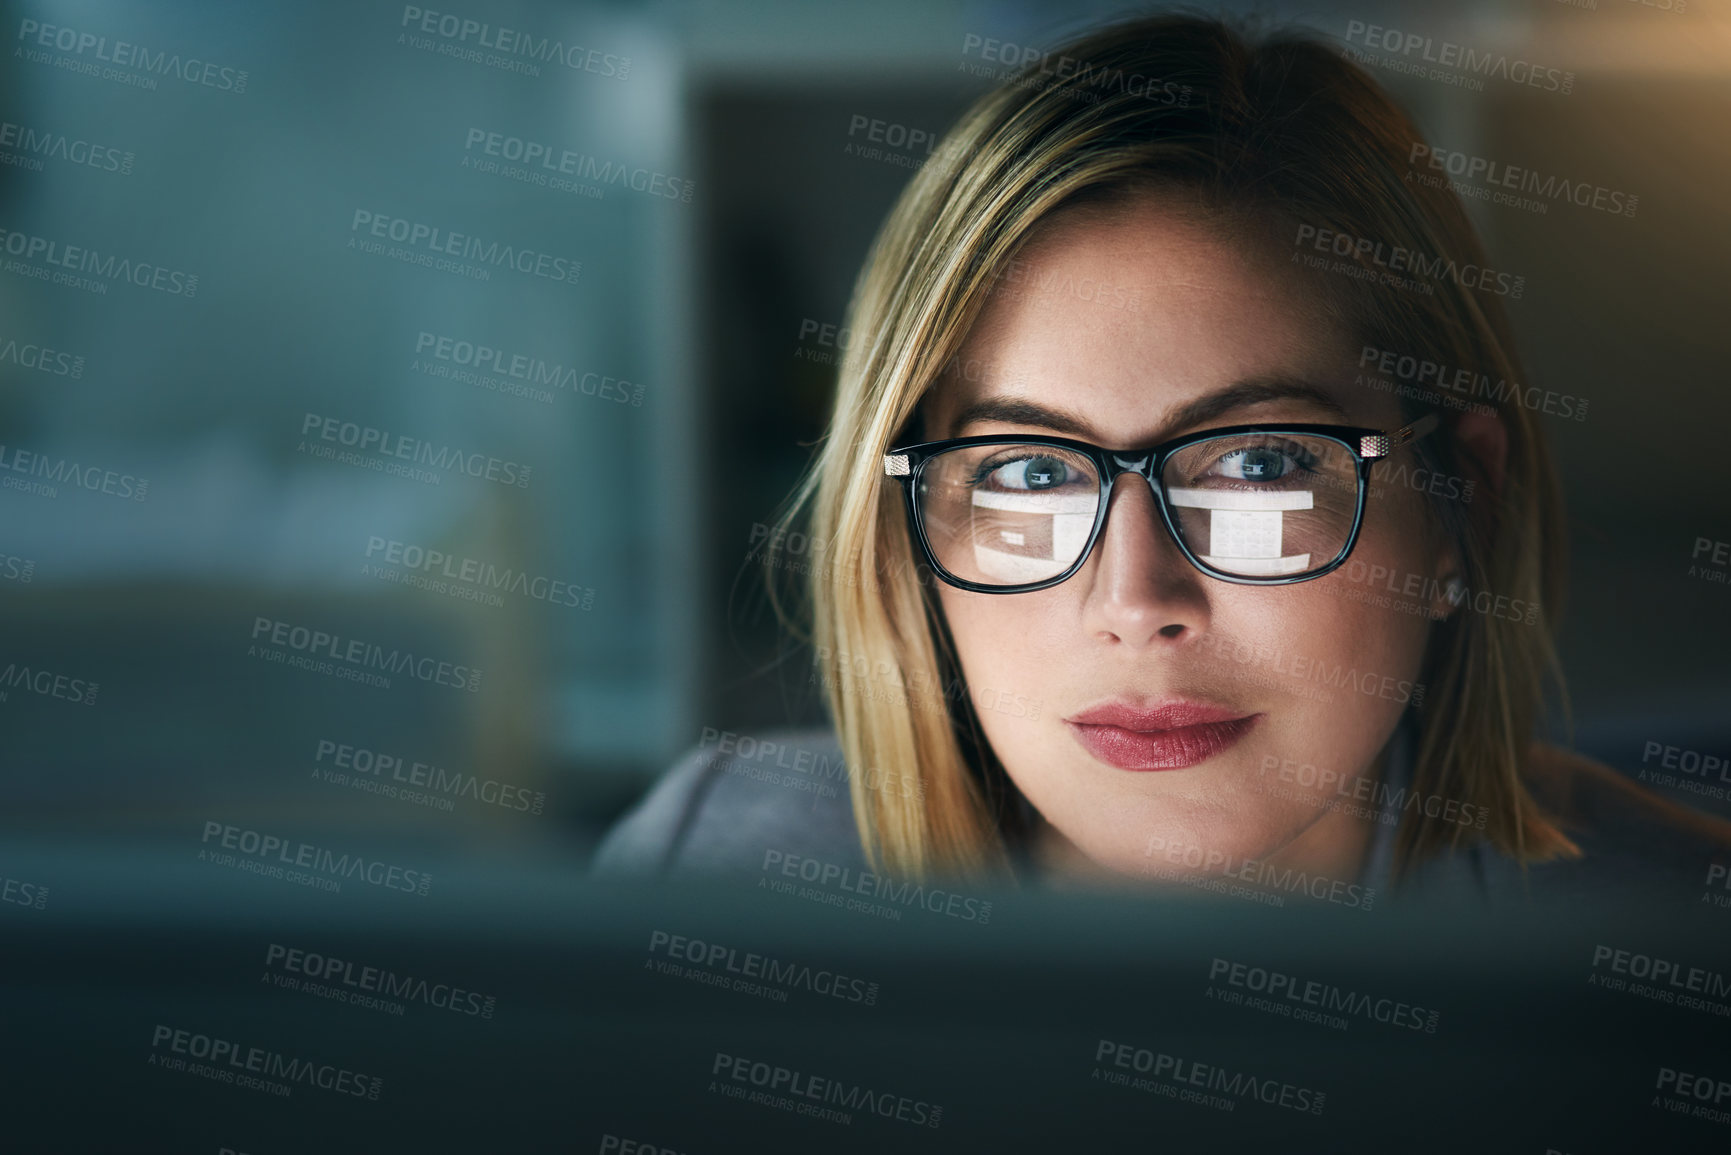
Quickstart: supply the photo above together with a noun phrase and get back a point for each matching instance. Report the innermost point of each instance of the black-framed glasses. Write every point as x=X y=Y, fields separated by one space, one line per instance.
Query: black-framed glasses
x=1250 y=504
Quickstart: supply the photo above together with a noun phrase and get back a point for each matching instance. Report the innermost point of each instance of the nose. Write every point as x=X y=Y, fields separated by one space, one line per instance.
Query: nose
x=1141 y=589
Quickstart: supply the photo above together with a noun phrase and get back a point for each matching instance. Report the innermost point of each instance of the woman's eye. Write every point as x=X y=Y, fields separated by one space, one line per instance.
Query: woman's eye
x=1032 y=473
x=1258 y=463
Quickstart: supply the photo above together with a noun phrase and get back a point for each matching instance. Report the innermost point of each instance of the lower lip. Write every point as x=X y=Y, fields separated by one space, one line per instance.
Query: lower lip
x=1160 y=749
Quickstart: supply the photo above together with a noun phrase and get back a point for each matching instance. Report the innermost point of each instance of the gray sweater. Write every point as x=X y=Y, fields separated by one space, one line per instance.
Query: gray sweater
x=788 y=793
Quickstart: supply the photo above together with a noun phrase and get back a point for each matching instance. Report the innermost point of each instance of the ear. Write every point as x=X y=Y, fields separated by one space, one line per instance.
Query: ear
x=1445 y=596
x=1484 y=442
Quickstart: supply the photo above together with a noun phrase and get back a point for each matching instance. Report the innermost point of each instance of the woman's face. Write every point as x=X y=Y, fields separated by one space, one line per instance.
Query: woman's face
x=1115 y=324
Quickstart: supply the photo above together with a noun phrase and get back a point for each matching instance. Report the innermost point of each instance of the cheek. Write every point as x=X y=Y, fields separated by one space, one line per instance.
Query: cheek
x=1006 y=645
x=1019 y=658
x=1390 y=586
x=1372 y=616
x=1359 y=634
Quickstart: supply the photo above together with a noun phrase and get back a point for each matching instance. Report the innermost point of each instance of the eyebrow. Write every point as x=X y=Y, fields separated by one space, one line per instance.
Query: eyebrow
x=1256 y=391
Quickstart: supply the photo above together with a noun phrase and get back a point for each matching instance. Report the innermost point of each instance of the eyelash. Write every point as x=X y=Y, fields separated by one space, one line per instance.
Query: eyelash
x=1301 y=458
x=986 y=468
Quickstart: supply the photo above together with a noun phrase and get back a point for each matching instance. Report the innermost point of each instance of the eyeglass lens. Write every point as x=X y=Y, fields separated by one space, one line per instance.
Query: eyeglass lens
x=1248 y=505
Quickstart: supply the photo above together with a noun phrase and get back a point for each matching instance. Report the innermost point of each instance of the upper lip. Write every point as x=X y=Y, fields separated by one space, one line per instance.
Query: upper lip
x=1169 y=714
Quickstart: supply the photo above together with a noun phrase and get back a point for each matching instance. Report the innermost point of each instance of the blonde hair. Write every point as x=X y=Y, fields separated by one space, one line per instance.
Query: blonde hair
x=1280 y=130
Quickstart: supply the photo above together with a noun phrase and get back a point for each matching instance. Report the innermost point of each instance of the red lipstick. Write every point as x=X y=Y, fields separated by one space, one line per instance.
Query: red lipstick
x=1170 y=736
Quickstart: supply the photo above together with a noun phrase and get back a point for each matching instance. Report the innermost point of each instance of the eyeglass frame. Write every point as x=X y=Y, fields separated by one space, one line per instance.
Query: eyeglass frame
x=1366 y=444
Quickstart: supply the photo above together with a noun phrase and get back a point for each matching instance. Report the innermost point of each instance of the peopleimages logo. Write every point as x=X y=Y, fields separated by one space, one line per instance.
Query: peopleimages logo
x=27 y=247
x=1687 y=760
x=1507 y=176
x=812 y=770
x=483 y=575
x=1235 y=1087
x=1719 y=874
x=47 y=683
x=22 y=893
x=845 y=878
x=793 y=1086
x=1295 y=997
x=544 y=164
x=361 y=764
x=1385 y=802
x=1458 y=63
x=17 y=569
x=37 y=36
x=1422 y=372
x=305 y=855
x=370 y=439
x=29 y=355
x=1677 y=978
x=521 y=369
x=1686 y=1092
x=356 y=981
x=35 y=145
x=1211 y=866
x=1295 y=670
x=230 y=1062
x=1017 y=277
x=1427 y=592
x=358 y=654
x=520 y=49
x=427 y=241
x=65 y=471
x=1081 y=79
x=719 y=961
x=1397 y=259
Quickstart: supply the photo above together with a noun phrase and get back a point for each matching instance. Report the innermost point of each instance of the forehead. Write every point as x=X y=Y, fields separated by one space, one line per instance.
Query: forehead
x=1123 y=314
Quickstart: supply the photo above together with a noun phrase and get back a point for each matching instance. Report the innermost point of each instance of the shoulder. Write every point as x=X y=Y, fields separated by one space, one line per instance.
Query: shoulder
x=730 y=804
x=1632 y=840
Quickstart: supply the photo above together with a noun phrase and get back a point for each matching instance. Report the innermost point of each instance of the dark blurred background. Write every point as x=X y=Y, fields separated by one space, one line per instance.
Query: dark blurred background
x=685 y=379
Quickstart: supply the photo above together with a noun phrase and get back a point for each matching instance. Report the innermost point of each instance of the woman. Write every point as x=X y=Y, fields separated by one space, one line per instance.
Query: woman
x=1146 y=561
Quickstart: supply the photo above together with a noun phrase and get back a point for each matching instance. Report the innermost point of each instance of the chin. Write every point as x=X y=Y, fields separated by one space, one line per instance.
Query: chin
x=1165 y=847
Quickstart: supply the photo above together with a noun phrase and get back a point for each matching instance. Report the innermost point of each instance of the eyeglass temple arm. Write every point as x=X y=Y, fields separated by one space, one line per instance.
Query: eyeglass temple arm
x=1383 y=444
